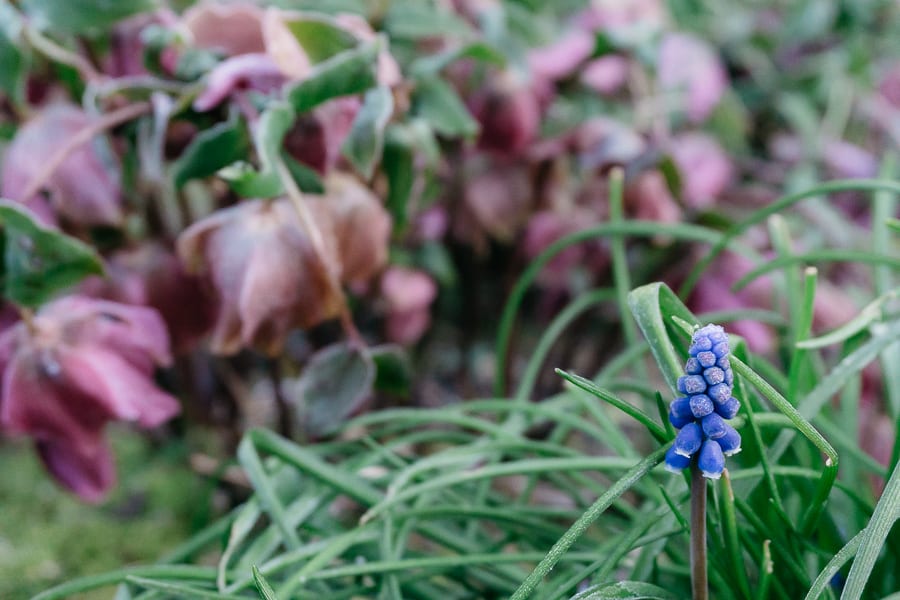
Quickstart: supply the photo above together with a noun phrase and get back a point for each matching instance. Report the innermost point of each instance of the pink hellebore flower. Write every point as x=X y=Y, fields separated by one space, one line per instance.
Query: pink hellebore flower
x=265 y=271
x=264 y=267
x=78 y=365
x=690 y=66
x=409 y=294
x=81 y=190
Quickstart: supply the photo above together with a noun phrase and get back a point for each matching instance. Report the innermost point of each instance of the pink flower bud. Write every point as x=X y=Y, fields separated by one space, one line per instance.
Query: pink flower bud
x=409 y=294
x=81 y=190
x=80 y=364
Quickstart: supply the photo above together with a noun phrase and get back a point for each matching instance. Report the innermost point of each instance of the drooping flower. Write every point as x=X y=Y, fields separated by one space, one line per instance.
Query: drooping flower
x=266 y=270
x=79 y=364
x=700 y=415
x=82 y=189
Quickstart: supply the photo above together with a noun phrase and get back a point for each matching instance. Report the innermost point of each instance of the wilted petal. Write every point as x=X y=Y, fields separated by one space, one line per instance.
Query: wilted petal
x=362 y=227
x=89 y=472
x=690 y=66
x=248 y=71
x=409 y=294
x=499 y=199
x=81 y=189
x=283 y=47
x=233 y=28
x=267 y=276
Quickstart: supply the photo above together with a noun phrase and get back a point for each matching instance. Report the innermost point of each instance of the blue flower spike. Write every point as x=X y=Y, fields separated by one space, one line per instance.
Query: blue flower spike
x=700 y=414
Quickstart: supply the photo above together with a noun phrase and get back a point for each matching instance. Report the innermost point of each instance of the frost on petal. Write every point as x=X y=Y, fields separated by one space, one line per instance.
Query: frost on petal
x=87 y=471
x=674 y=462
x=711 y=460
x=83 y=189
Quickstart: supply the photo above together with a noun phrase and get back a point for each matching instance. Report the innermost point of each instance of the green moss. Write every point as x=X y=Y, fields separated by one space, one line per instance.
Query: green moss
x=48 y=536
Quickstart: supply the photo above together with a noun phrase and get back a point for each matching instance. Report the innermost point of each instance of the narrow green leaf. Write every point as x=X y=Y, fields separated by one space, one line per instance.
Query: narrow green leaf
x=625 y=590
x=886 y=514
x=262 y=586
x=870 y=313
x=39 y=263
x=178 y=590
x=246 y=181
x=479 y=51
x=562 y=546
x=640 y=416
x=365 y=141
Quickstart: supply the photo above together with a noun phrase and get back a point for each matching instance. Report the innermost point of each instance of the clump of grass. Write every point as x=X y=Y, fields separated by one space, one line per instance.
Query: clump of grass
x=567 y=498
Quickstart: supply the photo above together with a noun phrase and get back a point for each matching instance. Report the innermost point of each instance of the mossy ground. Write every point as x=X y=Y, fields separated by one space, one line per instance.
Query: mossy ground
x=48 y=536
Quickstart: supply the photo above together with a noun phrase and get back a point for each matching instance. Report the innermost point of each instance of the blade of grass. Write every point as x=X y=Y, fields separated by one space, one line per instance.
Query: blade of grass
x=621 y=275
x=872 y=538
x=92 y=582
x=634 y=228
x=262 y=586
x=558 y=551
x=726 y=239
x=733 y=549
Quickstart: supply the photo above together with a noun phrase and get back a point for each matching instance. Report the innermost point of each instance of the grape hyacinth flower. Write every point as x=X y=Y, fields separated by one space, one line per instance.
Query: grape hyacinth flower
x=707 y=403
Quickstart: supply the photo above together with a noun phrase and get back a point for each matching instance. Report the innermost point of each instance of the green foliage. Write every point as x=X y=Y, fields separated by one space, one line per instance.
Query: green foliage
x=83 y=16
x=38 y=262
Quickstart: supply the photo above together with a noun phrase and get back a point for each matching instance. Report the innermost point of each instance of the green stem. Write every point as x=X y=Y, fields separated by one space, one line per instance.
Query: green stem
x=699 y=576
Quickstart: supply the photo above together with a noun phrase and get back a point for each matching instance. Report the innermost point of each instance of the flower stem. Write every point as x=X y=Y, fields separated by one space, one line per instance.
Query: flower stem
x=699 y=582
